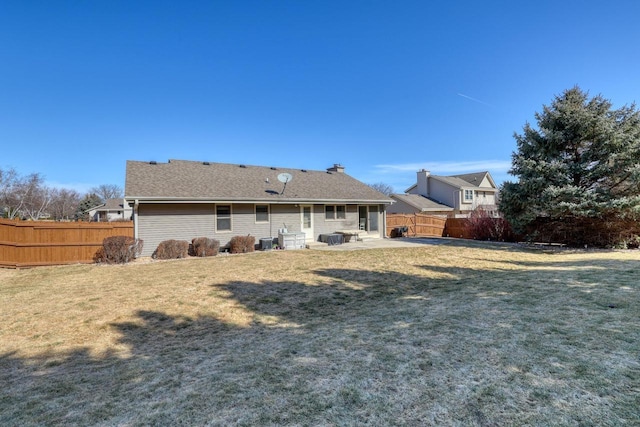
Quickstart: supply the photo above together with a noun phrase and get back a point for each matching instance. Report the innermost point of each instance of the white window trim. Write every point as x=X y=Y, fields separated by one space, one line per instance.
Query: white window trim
x=465 y=199
x=335 y=213
x=255 y=213
x=230 y=230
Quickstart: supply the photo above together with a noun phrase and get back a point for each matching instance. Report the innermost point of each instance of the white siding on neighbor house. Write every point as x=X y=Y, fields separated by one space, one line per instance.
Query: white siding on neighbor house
x=444 y=193
x=484 y=198
x=120 y=215
x=159 y=222
x=485 y=183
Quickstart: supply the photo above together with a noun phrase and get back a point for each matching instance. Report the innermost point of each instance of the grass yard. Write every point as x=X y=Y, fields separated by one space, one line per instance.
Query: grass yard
x=449 y=334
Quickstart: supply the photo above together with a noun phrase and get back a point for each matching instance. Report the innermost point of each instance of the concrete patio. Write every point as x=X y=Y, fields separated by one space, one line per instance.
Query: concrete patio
x=400 y=242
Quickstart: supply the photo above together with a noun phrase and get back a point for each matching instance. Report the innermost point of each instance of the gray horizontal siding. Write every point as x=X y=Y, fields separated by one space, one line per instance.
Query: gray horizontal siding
x=322 y=225
x=157 y=223
x=286 y=216
x=243 y=223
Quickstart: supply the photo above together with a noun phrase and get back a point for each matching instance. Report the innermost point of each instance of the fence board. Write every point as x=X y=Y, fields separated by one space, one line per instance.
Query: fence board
x=418 y=225
x=457 y=227
x=35 y=243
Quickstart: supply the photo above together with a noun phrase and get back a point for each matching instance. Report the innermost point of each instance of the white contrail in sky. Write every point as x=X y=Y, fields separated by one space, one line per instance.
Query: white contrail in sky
x=474 y=99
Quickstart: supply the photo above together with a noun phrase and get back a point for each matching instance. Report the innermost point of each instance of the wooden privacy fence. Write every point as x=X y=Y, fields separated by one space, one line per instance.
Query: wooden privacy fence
x=418 y=225
x=421 y=225
x=35 y=243
x=457 y=227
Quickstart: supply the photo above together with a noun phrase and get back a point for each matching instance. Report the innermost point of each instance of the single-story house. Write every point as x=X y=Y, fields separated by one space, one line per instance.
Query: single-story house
x=111 y=210
x=187 y=199
x=453 y=196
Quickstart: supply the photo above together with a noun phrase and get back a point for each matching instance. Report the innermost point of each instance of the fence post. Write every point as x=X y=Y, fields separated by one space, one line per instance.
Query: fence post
x=415 y=224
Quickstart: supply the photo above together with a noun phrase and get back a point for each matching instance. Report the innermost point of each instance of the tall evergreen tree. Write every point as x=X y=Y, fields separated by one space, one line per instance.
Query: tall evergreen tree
x=578 y=172
x=90 y=200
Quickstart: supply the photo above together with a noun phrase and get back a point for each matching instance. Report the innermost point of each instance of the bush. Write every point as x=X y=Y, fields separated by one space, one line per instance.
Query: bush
x=172 y=249
x=242 y=244
x=99 y=257
x=118 y=250
x=481 y=225
x=204 y=246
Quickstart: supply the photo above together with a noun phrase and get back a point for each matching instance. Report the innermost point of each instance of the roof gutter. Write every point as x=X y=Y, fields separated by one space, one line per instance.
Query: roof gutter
x=252 y=201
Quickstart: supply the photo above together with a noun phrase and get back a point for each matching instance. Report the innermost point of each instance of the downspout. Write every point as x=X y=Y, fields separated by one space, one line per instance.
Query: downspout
x=384 y=221
x=135 y=219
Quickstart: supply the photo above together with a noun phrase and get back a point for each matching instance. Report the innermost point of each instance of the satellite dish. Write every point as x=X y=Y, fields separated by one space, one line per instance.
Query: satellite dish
x=285 y=177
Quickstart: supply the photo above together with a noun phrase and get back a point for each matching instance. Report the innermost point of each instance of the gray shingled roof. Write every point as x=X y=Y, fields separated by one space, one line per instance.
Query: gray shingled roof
x=465 y=180
x=421 y=202
x=190 y=180
x=454 y=181
x=113 y=205
x=109 y=205
x=472 y=178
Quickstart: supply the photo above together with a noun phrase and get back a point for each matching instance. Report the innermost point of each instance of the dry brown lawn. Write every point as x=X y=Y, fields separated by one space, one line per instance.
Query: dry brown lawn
x=449 y=334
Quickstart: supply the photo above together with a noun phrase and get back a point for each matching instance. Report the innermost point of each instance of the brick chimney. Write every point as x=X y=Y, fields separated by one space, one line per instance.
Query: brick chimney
x=423 y=182
x=337 y=167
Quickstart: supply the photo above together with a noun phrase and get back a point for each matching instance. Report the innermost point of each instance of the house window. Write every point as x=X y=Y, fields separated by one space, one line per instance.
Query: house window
x=468 y=195
x=333 y=212
x=262 y=213
x=223 y=217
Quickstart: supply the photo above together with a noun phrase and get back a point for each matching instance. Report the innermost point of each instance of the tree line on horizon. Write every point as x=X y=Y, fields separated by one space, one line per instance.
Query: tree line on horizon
x=28 y=197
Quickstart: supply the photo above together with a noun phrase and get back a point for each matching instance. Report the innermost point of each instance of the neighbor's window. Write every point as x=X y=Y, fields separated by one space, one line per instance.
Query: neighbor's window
x=468 y=195
x=332 y=212
x=262 y=213
x=223 y=218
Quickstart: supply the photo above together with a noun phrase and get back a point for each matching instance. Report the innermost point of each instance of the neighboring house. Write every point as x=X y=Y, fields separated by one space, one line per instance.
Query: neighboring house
x=112 y=210
x=416 y=203
x=453 y=196
x=187 y=199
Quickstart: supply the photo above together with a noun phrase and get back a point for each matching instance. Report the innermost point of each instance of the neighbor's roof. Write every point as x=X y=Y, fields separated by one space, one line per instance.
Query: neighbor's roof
x=420 y=202
x=109 y=205
x=114 y=205
x=463 y=181
x=203 y=181
x=476 y=178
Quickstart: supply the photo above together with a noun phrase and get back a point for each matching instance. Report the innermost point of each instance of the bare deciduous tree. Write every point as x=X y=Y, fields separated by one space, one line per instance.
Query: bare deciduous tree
x=28 y=197
x=33 y=196
x=64 y=204
x=107 y=191
x=8 y=179
x=385 y=189
x=18 y=192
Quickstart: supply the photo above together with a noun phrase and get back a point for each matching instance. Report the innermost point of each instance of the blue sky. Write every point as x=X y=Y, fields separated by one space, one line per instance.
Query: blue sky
x=384 y=88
